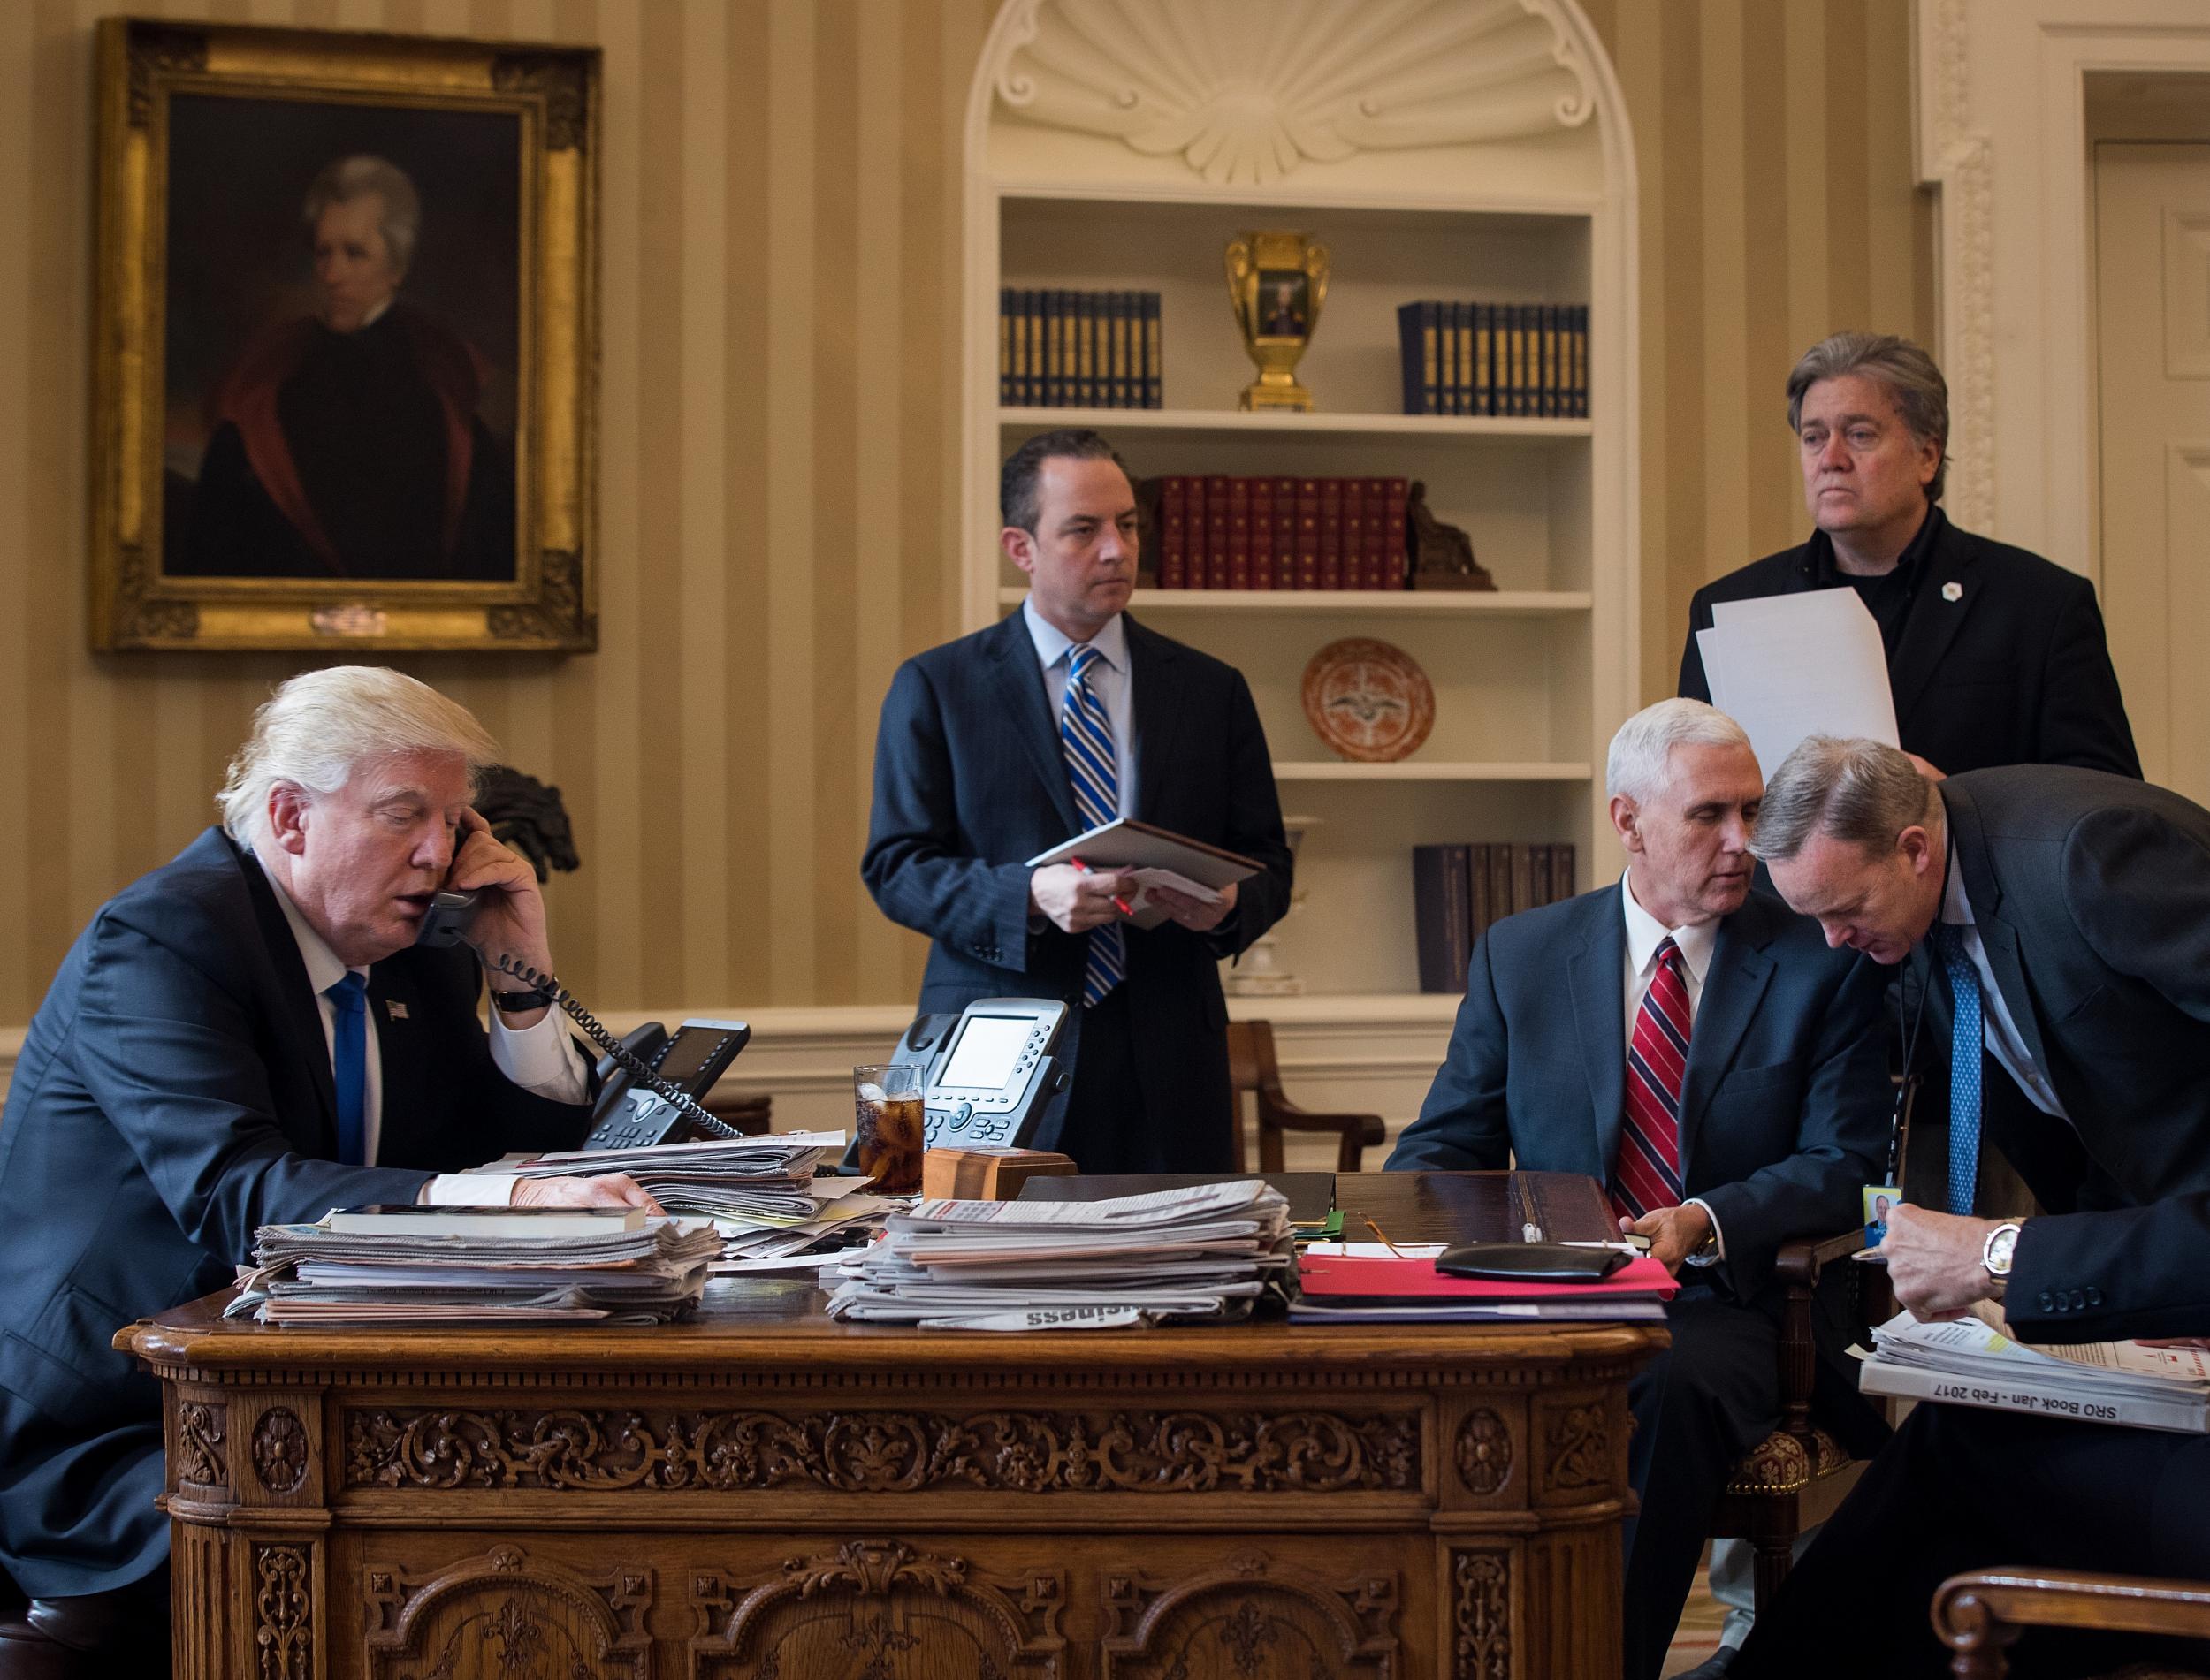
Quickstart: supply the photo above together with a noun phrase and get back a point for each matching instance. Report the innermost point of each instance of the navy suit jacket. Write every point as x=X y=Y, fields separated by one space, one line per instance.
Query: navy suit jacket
x=969 y=781
x=174 y=1092
x=2091 y=895
x=1786 y=1102
x=2015 y=670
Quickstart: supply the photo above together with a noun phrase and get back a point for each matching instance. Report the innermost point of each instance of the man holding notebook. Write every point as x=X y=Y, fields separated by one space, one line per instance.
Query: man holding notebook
x=1057 y=719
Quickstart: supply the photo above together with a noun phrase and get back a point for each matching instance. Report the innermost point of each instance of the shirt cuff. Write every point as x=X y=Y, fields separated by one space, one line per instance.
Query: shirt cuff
x=1719 y=1236
x=539 y=1059
x=470 y=1189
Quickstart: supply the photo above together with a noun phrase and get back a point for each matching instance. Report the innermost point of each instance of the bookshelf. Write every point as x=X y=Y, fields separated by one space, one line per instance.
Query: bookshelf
x=1496 y=165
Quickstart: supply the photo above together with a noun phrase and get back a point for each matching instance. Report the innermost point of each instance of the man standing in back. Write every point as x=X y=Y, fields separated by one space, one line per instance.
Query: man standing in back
x=1695 y=1047
x=1062 y=716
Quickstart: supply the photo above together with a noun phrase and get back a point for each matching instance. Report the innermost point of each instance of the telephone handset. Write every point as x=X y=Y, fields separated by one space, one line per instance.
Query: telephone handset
x=446 y=919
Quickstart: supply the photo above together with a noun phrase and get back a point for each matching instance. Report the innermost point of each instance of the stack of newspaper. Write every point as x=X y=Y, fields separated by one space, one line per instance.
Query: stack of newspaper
x=1203 y=1252
x=1974 y=1362
x=766 y=1180
x=476 y=1265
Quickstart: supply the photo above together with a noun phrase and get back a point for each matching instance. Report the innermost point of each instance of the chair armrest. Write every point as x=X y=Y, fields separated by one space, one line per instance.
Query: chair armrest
x=1977 y=1614
x=1354 y=1133
x=1801 y=1261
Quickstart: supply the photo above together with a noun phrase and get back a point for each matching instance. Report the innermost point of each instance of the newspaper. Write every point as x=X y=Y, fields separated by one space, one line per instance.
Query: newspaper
x=1206 y=1252
x=309 y=1274
x=1976 y=1361
x=766 y=1180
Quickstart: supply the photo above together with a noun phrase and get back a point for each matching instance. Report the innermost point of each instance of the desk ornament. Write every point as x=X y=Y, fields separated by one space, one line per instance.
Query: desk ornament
x=1277 y=283
x=1369 y=700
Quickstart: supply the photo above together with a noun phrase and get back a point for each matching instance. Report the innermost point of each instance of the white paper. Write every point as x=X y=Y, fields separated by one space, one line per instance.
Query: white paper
x=1788 y=667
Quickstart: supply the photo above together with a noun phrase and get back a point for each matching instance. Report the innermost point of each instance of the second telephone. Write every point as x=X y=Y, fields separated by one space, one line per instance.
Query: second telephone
x=632 y=1114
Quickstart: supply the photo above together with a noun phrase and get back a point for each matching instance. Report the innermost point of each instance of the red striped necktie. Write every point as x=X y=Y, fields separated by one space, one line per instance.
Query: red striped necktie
x=1647 y=1177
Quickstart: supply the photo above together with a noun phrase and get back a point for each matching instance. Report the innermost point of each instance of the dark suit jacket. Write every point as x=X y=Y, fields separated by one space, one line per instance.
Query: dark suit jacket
x=174 y=1092
x=1785 y=1107
x=2013 y=672
x=2092 y=894
x=969 y=781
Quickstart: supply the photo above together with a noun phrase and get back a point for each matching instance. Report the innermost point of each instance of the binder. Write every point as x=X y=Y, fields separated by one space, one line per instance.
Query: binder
x=1151 y=375
x=1416 y=348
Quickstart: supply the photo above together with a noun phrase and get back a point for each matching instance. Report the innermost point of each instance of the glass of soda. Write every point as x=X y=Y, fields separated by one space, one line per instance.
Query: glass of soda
x=887 y=1105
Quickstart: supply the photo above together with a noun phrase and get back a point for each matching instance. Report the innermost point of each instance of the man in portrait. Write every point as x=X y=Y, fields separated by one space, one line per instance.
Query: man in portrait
x=1285 y=309
x=348 y=444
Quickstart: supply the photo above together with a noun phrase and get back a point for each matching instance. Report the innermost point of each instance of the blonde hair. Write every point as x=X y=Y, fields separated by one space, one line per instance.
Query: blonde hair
x=320 y=728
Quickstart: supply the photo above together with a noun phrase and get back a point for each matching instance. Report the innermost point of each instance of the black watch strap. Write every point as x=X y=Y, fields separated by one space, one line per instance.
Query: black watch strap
x=515 y=1003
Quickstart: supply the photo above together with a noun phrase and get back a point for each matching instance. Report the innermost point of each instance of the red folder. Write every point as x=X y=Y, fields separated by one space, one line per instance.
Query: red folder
x=1334 y=1278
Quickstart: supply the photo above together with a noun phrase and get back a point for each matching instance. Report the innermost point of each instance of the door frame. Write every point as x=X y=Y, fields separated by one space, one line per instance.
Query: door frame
x=1999 y=133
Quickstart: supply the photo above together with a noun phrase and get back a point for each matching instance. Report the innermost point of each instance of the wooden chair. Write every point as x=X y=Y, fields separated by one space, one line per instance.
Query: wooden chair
x=1799 y=1474
x=1976 y=1615
x=1250 y=1068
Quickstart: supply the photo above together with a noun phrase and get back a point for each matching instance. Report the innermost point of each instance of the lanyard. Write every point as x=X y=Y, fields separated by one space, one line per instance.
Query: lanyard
x=1909 y=1037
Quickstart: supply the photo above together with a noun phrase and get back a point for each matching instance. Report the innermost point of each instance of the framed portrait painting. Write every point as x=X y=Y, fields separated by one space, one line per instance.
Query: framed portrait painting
x=346 y=332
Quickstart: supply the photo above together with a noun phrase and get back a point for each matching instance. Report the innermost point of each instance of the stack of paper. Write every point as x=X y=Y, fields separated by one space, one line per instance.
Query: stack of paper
x=846 y=1215
x=1352 y=1281
x=1972 y=1362
x=1786 y=666
x=461 y=1266
x=1203 y=1252
x=766 y=1180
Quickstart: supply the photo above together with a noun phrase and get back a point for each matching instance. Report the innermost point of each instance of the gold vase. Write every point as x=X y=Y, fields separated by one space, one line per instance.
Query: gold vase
x=1277 y=283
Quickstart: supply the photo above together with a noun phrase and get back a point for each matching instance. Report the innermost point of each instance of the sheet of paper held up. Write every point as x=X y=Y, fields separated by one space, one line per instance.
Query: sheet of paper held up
x=1791 y=666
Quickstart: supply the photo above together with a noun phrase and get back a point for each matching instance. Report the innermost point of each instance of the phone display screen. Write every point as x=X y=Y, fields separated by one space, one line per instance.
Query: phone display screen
x=986 y=1054
x=688 y=1053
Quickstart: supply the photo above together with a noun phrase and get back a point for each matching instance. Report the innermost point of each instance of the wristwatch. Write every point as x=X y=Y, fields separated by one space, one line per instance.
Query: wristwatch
x=515 y=1003
x=1996 y=1252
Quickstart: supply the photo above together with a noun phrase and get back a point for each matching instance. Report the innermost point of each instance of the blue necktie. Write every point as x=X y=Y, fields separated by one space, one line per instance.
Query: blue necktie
x=1086 y=734
x=349 y=1063
x=1966 y=1037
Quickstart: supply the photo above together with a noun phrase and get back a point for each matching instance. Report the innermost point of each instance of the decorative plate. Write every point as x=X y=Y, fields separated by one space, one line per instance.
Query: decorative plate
x=1369 y=700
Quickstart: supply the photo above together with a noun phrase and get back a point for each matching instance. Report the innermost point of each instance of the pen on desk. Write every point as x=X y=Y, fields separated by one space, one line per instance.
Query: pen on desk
x=1119 y=903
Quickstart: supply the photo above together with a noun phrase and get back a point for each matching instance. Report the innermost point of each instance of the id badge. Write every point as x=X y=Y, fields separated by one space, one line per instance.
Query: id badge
x=1880 y=1200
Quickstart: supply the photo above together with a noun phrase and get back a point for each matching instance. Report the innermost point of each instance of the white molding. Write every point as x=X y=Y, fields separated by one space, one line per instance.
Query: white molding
x=2000 y=116
x=1363 y=1055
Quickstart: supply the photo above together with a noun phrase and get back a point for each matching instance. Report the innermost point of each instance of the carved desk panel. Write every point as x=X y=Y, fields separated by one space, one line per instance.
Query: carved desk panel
x=760 y=1493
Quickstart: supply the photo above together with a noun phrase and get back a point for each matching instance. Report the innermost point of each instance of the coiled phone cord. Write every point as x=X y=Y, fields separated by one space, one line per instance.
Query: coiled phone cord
x=623 y=1056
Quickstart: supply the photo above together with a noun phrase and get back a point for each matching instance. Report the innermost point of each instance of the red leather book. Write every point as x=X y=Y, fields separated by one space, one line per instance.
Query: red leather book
x=1400 y=537
x=1216 y=531
x=1330 y=535
x=1286 y=533
x=1173 y=533
x=1353 y=533
x=1238 y=533
x=1373 y=568
x=1308 y=534
x=1262 y=533
x=1359 y=1277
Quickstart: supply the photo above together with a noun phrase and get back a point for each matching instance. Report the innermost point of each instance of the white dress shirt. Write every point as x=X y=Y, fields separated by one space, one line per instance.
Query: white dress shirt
x=1110 y=681
x=538 y=1059
x=1997 y=1028
x=1644 y=934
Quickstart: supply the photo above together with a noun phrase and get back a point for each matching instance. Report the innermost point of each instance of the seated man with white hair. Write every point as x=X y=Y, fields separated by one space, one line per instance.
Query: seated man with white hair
x=248 y=1036
x=1695 y=1046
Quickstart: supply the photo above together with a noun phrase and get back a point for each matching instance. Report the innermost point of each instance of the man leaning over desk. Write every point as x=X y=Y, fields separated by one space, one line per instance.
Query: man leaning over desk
x=2058 y=922
x=1060 y=716
x=1696 y=1047
x=247 y=1037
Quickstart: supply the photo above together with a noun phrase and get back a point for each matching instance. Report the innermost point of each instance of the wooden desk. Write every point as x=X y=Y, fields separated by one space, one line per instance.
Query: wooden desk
x=760 y=1492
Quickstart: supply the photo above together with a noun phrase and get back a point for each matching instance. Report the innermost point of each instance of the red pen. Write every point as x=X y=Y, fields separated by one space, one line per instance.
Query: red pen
x=1119 y=903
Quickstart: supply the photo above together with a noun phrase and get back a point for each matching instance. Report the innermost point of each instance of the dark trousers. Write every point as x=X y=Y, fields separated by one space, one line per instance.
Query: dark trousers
x=1111 y=1128
x=1960 y=1488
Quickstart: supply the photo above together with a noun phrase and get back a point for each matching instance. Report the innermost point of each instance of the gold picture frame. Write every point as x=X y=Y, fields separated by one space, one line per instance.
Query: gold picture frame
x=248 y=178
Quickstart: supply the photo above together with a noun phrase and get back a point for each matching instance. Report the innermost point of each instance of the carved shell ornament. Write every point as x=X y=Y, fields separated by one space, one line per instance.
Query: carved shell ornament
x=1247 y=90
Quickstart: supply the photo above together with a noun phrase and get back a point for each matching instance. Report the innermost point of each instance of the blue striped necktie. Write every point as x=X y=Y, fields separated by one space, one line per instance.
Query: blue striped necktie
x=1085 y=735
x=1966 y=1035
x=349 y=1065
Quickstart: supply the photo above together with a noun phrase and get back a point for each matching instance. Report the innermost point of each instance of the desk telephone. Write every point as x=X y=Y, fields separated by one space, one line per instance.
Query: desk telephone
x=988 y=1072
x=648 y=1082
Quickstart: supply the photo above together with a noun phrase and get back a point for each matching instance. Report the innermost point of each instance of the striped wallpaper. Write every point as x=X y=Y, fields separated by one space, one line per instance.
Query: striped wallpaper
x=781 y=186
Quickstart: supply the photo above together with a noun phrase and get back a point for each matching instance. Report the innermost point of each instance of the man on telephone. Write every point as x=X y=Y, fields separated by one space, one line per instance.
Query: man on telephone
x=247 y=1036
x=1061 y=717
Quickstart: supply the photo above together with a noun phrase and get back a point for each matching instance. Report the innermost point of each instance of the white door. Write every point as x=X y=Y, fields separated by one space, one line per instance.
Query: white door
x=2153 y=286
